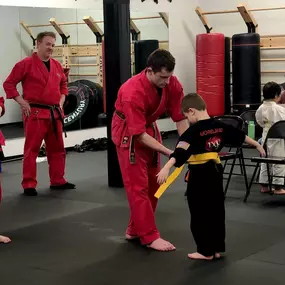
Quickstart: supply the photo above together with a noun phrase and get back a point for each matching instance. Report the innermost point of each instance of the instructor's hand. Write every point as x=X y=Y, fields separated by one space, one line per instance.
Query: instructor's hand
x=61 y=102
x=25 y=108
x=168 y=152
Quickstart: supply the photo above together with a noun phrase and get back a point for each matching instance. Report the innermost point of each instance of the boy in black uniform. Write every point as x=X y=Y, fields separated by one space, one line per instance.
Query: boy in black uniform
x=200 y=145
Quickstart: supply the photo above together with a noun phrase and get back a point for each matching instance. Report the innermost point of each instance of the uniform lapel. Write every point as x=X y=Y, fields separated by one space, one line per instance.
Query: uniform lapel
x=162 y=105
x=41 y=67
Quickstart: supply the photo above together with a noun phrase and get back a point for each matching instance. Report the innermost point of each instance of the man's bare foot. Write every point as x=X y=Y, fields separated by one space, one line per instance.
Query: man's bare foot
x=4 y=239
x=279 y=192
x=129 y=237
x=197 y=255
x=161 y=245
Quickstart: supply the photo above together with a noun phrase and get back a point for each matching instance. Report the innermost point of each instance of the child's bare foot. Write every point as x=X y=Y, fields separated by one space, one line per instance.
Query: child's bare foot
x=161 y=245
x=279 y=192
x=129 y=237
x=4 y=239
x=264 y=190
x=217 y=255
x=197 y=255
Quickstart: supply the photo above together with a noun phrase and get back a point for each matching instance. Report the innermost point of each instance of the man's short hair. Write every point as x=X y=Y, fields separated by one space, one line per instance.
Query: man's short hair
x=193 y=100
x=160 y=59
x=41 y=35
x=271 y=90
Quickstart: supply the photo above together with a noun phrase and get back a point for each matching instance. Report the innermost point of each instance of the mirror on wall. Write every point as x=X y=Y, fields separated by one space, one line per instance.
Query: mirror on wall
x=79 y=49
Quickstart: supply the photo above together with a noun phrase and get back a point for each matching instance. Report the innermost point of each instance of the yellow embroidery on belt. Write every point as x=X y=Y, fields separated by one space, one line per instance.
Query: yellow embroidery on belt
x=194 y=159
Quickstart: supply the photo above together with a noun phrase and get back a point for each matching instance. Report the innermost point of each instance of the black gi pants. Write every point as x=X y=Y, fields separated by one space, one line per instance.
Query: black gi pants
x=205 y=197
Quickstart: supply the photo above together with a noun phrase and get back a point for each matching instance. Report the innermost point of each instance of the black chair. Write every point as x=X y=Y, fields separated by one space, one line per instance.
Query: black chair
x=248 y=116
x=277 y=131
x=236 y=122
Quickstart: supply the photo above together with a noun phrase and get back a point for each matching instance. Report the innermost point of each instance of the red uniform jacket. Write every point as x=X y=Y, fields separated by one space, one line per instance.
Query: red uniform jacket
x=141 y=105
x=2 y=138
x=39 y=85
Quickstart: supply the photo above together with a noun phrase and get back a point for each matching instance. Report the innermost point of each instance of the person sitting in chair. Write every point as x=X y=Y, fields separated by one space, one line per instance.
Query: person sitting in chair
x=268 y=114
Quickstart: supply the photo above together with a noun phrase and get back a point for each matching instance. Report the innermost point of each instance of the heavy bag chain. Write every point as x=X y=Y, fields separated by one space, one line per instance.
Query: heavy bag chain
x=156 y=1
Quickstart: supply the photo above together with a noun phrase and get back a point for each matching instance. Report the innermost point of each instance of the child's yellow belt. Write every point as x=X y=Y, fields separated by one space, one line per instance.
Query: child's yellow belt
x=194 y=159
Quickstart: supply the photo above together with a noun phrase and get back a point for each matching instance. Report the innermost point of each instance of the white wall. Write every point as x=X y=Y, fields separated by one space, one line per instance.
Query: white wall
x=269 y=23
x=183 y=27
x=20 y=44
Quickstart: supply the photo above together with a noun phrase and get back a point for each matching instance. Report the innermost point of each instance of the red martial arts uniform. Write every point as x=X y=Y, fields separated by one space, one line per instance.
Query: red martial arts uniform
x=138 y=106
x=42 y=89
x=2 y=139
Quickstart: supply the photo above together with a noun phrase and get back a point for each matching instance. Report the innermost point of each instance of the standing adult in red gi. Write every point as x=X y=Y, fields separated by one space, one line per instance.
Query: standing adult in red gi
x=3 y=239
x=141 y=101
x=44 y=90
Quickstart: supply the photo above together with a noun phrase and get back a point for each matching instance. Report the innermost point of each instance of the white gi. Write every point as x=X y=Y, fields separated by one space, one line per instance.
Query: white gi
x=266 y=115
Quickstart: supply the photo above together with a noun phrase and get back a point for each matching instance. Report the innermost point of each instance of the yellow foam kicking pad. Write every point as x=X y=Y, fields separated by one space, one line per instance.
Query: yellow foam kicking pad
x=168 y=182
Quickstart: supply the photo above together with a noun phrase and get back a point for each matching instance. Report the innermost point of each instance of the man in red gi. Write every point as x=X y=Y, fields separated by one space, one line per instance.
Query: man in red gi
x=141 y=101
x=44 y=90
x=3 y=239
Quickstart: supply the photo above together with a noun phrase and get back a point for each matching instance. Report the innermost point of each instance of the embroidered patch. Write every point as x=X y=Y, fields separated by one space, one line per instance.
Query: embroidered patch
x=125 y=140
x=183 y=145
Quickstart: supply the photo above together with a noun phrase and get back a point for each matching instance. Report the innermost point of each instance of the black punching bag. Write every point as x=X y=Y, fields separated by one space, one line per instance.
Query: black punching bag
x=142 y=50
x=246 y=72
x=227 y=76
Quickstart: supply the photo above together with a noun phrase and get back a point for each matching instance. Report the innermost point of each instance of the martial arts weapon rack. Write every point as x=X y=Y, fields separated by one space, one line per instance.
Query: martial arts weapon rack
x=268 y=42
x=66 y=51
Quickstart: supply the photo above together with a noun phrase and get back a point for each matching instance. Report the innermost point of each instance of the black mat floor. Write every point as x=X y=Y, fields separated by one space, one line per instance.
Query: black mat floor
x=77 y=237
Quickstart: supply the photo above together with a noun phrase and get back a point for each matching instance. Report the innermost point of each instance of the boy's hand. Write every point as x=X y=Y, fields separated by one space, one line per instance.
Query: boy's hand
x=162 y=175
x=261 y=150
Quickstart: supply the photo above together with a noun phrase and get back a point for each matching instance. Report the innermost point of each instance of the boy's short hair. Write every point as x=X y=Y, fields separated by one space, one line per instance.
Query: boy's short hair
x=193 y=100
x=271 y=90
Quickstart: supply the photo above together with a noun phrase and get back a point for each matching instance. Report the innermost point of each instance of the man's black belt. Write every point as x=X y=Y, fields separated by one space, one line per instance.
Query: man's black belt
x=52 y=108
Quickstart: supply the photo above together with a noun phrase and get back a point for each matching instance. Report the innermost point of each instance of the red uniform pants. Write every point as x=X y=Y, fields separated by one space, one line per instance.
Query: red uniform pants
x=140 y=182
x=37 y=130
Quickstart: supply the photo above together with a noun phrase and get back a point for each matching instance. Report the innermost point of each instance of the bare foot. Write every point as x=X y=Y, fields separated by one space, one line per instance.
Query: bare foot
x=217 y=255
x=197 y=255
x=4 y=239
x=279 y=192
x=129 y=237
x=161 y=245
x=264 y=190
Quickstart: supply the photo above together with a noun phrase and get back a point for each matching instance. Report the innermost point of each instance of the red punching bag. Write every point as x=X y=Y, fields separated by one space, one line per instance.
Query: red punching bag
x=210 y=71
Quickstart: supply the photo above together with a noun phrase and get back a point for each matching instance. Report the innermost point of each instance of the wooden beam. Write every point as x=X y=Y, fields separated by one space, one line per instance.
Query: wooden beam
x=64 y=39
x=60 y=31
x=248 y=18
x=136 y=33
x=271 y=59
x=164 y=17
x=273 y=71
x=84 y=64
x=90 y=74
x=89 y=21
x=146 y=18
x=203 y=19
x=29 y=31
x=236 y=11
